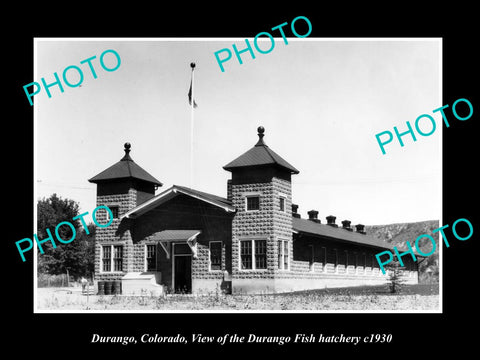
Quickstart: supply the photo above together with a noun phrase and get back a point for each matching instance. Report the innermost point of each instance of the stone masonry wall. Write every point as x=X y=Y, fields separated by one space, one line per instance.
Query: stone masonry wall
x=269 y=223
x=115 y=234
x=282 y=221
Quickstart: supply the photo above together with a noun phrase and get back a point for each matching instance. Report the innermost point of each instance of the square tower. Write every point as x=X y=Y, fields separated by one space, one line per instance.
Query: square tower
x=261 y=192
x=121 y=187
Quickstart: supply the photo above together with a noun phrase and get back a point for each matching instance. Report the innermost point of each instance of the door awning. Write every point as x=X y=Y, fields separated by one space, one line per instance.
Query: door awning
x=168 y=236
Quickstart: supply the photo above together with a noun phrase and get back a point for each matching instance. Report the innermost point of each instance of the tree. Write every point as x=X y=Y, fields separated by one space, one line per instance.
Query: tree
x=77 y=256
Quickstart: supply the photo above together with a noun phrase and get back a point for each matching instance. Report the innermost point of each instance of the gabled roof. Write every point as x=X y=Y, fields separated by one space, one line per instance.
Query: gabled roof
x=259 y=155
x=125 y=168
x=173 y=192
x=313 y=228
x=203 y=195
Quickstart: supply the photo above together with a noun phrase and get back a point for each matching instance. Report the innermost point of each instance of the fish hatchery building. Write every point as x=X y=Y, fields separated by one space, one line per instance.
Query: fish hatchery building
x=251 y=241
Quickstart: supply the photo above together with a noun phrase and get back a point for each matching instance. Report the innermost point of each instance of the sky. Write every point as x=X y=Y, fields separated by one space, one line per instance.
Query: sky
x=321 y=102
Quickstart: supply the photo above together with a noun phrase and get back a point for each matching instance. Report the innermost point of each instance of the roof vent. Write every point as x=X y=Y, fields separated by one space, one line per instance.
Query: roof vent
x=313 y=216
x=294 y=211
x=346 y=225
x=331 y=221
x=360 y=228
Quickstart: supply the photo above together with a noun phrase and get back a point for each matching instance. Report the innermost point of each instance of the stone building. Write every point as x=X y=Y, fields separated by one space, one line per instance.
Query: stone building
x=252 y=241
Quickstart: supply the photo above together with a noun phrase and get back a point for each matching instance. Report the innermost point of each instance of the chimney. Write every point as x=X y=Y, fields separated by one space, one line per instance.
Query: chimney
x=331 y=221
x=360 y=228
x=313 y=216
x=346 y=225
x=294 y=211
x=229 y=190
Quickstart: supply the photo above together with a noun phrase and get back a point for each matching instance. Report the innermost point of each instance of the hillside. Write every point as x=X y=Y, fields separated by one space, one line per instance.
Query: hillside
x=398 y=234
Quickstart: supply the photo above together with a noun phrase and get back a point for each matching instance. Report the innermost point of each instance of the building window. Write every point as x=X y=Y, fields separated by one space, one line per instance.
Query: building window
x=260 y=254
x=246 y=254
x=215 y=255
x=253 y=203
x=117 y=258
x=114 y=210
x=408 y=264
x=109 y=253
x=286 y=255
x=151 y=258
x=282 y=204
x=368 y=261
x=283 y=255
x=253 y=254
x=279 y=253
x=107 y=259
x=312 y=257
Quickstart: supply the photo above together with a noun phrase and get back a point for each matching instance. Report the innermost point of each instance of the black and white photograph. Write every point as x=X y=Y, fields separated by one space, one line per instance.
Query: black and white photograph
x=242 y=180
x=258 y=188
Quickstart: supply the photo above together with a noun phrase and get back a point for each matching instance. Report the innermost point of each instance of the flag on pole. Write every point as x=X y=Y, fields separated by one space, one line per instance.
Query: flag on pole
x=192 y=65
x=193 y=105
x=190 y=96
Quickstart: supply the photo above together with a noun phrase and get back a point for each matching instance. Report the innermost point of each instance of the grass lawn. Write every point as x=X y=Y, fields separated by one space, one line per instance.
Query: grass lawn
x=418 y=289
x=420 y=297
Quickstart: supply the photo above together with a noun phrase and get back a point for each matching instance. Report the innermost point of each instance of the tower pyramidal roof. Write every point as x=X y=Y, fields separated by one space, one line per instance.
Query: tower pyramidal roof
x=260 y=155
x=124 y=169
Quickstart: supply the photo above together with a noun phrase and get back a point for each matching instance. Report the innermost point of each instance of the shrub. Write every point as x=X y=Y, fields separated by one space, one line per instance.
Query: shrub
x=48 y=280
x=395 y=276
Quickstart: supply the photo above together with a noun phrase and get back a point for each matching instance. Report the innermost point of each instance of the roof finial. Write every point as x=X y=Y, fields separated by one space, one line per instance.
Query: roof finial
x=261 y=131
x=127 y=147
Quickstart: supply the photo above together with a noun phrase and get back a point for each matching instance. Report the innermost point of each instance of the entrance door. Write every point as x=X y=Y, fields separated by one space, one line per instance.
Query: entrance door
x=183 y=273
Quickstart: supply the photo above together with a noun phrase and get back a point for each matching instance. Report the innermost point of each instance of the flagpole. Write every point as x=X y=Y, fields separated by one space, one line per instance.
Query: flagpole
x=192 y=65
